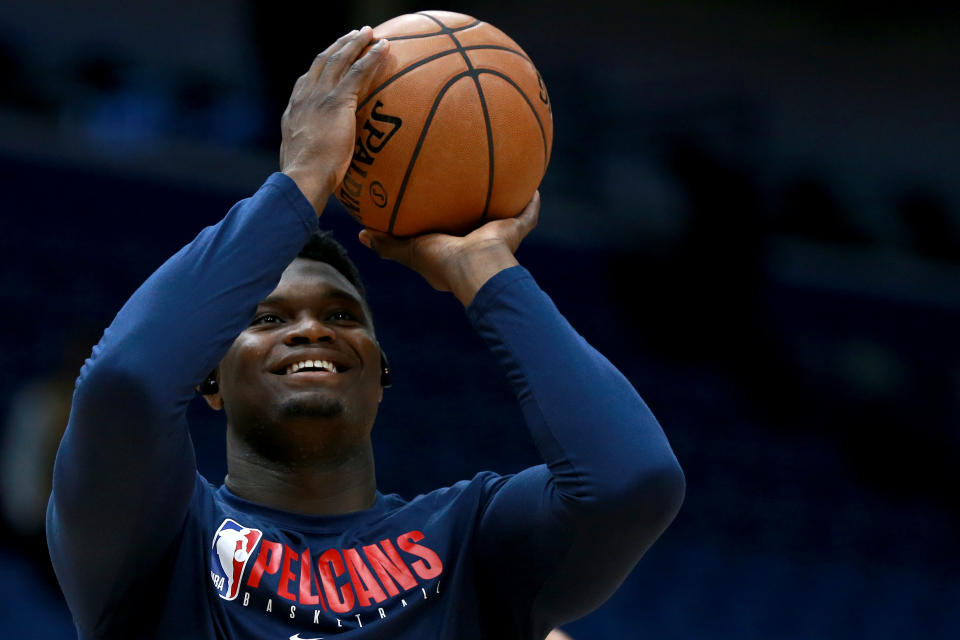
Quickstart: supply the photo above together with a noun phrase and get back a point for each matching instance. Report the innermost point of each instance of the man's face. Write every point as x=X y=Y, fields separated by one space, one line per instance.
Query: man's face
x=304 y=378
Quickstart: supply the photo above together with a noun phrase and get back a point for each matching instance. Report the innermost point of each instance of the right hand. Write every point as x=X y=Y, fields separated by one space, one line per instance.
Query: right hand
x=319 y=124
x=459 y=264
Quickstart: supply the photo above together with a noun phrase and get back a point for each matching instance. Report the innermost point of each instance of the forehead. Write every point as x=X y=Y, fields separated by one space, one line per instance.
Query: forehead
x=308 y=278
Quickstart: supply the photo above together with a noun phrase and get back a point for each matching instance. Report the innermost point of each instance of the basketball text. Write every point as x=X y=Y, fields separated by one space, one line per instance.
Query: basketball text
x=372 y=137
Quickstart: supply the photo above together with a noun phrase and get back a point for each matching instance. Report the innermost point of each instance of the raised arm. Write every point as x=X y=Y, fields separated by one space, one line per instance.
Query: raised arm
x=573 y=528
x=568 y=532
x=125 y=471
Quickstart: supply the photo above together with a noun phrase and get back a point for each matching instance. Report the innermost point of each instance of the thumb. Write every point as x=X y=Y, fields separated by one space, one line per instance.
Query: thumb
x=387 y=246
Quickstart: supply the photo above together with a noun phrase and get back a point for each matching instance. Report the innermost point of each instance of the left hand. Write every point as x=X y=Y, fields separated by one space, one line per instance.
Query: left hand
x=319 y=125
x=459 y=264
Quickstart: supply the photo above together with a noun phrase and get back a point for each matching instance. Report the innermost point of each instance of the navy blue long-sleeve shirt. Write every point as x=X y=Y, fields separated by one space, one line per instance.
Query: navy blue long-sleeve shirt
x=145 y=547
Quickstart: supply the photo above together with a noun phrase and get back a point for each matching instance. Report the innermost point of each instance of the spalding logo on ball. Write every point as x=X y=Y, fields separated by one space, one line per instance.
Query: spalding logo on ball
x=456 y=129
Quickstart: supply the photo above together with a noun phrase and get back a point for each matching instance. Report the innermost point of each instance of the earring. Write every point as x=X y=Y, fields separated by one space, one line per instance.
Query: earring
x=386 y=380
x=210 y=386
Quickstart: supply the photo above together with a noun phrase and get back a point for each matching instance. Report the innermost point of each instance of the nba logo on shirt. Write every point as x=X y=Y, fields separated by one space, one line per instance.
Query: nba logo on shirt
x=233 y=544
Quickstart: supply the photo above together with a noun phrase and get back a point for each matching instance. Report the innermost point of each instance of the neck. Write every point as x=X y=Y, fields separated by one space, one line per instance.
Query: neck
x=333 y=486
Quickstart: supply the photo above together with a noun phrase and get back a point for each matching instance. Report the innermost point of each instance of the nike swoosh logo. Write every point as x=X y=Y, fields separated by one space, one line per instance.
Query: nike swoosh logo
x=296 y=636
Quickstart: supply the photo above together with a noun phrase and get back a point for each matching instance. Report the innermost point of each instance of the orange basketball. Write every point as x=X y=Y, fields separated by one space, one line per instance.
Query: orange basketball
x=456 y=129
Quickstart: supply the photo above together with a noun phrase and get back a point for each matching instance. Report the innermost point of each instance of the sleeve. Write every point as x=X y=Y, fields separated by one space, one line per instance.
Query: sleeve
x=564 y=535
x=125 y=470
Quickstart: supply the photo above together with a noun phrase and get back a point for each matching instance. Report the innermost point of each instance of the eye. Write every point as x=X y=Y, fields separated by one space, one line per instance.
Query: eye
x=266 y=318
x=342 y=315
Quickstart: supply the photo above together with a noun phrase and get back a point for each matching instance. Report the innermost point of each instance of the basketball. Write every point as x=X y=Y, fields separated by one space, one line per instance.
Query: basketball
x=455 y=130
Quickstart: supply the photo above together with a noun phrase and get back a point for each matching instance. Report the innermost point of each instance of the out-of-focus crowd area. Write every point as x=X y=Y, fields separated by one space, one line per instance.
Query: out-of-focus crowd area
x=752 y=209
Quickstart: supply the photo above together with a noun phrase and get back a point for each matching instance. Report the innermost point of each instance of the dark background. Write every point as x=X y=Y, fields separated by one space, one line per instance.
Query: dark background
x=752 y=209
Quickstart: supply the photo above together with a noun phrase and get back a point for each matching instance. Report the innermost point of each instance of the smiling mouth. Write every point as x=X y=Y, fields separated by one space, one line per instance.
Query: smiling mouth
x=305 y=366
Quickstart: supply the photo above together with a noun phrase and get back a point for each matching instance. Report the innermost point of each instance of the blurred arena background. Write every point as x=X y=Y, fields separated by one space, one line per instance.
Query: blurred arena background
x=752 y=209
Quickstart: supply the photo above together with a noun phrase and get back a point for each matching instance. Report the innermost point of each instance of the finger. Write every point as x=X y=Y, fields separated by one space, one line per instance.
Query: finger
x=357 y=80
x=387 y=246
x=339 y=61
x=316 y=68
x=366 y=238
x=529 y=217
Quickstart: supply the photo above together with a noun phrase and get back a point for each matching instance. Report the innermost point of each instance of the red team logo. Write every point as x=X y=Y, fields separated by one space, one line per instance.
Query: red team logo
x=337 y=581
x=233 y=544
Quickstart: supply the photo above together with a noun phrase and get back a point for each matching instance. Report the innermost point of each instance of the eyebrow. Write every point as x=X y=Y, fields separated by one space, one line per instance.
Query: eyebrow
x=337 y=294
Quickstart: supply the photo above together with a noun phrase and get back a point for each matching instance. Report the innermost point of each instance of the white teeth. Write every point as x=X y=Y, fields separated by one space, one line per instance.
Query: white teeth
x=325 y=365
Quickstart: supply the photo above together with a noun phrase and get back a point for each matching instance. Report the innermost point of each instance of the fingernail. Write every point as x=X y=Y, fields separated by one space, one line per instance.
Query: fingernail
x=365 y=240
x=380 y=43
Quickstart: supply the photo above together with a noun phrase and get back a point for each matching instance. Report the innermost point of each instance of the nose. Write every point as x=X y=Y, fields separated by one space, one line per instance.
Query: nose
x=307 y=330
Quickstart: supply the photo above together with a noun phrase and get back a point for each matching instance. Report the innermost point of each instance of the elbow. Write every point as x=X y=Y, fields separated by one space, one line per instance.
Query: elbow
x=108 y=387
x=649 y=496
x=658 y=494
x=671 y=489
x=110 y=425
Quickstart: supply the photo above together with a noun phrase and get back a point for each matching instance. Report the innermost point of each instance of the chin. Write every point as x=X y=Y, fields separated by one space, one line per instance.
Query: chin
x=313 y=408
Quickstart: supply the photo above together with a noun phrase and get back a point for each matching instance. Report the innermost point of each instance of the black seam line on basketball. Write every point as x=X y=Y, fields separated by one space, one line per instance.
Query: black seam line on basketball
x=471 y=47
x=543 y=133
x=445 y=29
x=487 y=125
x=416 y=149
x=486 y=122
x=419 y=63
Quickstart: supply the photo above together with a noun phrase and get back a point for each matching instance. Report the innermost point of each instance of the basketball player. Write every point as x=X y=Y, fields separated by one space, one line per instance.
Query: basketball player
x=298 y=543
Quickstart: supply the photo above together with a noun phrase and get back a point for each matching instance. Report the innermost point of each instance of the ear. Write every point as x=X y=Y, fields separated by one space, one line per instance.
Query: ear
x=214 y=401
x=386 y=376
x=210 y=390
x=385 y=379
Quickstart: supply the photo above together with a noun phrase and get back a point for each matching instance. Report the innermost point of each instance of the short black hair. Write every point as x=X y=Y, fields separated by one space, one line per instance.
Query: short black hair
x=322 y=247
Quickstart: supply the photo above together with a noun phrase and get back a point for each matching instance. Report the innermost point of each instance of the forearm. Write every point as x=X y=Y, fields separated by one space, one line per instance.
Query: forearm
x=601 y=443
x=127 y=451
x=575 y=527
x=133 y=392
x=175 y=328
